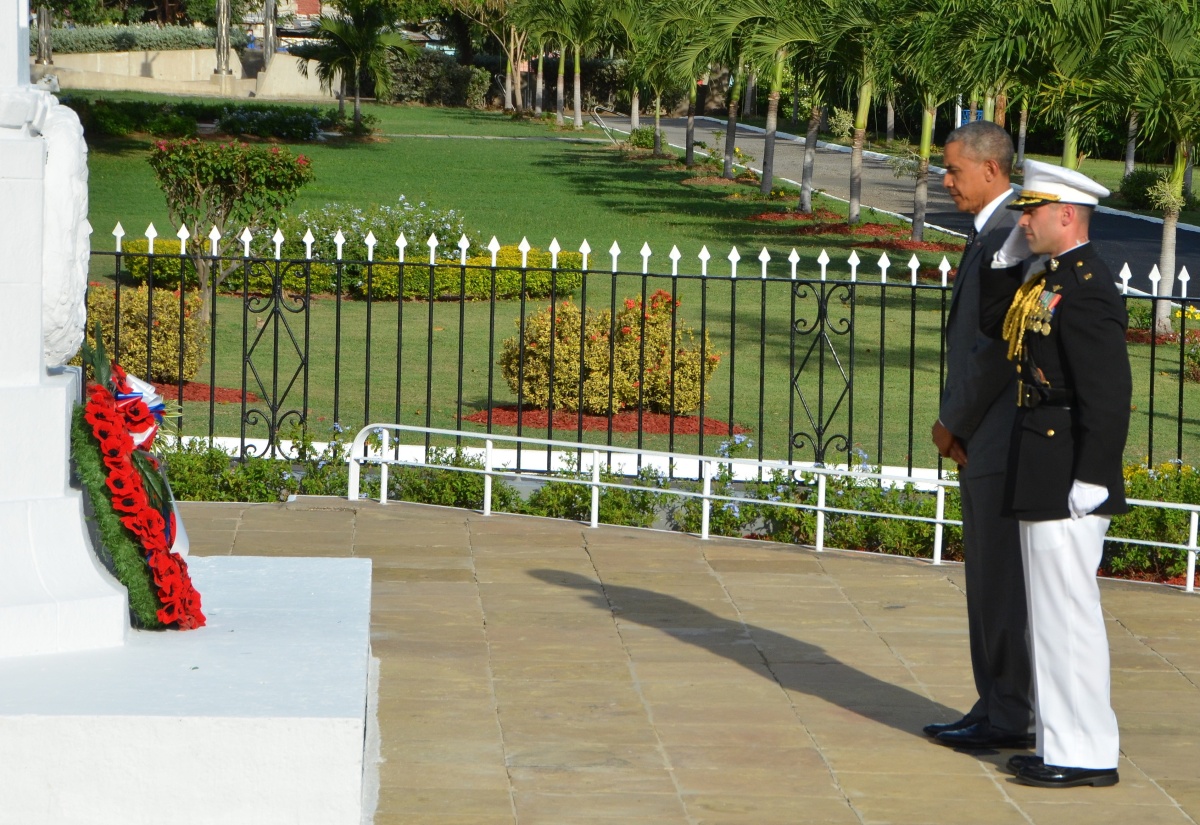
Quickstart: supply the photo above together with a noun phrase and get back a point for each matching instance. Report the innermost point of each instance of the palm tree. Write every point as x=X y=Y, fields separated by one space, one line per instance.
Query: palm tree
x=920 y=38
x=853 y=32
x=770 y=29
x=1153 y=66
x=355 y=42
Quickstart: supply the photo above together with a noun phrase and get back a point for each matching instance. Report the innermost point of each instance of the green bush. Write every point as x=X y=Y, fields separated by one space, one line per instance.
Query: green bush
x=1136 y=189
x=642 y=137
x=475 y=283
x=477 y=88
x=133 y=38
x=102 y=116
x=433 y=78
x=451 y=488
x=285 y=123
x=631 y=508
x=635 y=354
x=1178 y=483
x=164 y=338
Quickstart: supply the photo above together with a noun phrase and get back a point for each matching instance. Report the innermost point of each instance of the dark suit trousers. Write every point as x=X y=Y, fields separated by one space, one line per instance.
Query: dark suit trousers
x=997 y=616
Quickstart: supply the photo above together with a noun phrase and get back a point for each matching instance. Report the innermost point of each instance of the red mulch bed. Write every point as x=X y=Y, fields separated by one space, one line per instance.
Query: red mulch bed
x=908 y=245
x=710 y=180
x=779 y=217
x=505 y=415
x=1142 y=336
x=195 y=391
x=1178 y=581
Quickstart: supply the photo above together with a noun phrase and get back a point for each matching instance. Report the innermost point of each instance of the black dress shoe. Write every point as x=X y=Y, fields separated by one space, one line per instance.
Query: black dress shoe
x=1015 y=763
x=1054 y=776
x=982 y=735
x=942 y=727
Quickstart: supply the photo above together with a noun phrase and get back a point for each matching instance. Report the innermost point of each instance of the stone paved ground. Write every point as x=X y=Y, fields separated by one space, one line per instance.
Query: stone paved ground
x=542 y=673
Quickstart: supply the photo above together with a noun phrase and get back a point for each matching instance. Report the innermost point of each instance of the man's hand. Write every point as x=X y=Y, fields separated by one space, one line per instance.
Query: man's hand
x=947 y=445
x=1015 y=249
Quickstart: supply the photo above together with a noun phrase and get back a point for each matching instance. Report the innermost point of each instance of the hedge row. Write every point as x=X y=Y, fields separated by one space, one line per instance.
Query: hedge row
x=117 y=118
x=135 y=38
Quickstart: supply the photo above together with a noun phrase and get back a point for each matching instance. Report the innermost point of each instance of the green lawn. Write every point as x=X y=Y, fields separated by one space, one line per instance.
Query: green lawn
x=544 y=189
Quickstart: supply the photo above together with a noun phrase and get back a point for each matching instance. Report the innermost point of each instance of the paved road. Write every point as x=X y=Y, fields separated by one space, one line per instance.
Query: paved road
x=1120 y=238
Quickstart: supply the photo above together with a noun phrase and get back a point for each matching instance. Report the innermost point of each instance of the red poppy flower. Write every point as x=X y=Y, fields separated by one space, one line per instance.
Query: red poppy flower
x=137 y=416
x=117 y=443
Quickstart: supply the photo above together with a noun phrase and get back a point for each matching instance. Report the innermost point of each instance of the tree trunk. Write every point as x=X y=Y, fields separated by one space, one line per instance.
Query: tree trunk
x=1070 y=150
x=689 y=152
x=810 y=157
x=989 y=107
x=539 y=85
x=1131 y=135
x=635 y=105
x=658 y=150
x=921 y=193
x=891 y=117
x=508 y=85
x=1002 y=110
x=516 y=58
x=768 y=167
x=1166 y=260
x=578 y=88
x=973 y=108
x=1187 y=171
x=357 y=98
x=342 y=99
x=865 y=93
x=1022 y=131
x=795 y=98
x=560 y=87
x=731 y=126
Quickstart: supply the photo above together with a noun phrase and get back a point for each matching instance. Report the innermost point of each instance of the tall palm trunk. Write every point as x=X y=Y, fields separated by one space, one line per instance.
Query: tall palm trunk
x=1070 y=150
x=989 y=107
x=768 y=168
x=689 y=152
x=1166 y=259
x=810 y=157
x=560 y=87
x=865 y=92
x=1131 y=135
x=578 y=88
x=539 y=85
x=516 y=57
x=921 y=193
x=1022 y=132
x=1002 y=109
x=891 y=117
x=357 y=97
x=635 y=107
x=508 y=84
x=658 y=150
x=731 y=123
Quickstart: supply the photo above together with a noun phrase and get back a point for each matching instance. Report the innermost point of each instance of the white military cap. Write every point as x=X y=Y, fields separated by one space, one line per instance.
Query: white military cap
x=1047 y=183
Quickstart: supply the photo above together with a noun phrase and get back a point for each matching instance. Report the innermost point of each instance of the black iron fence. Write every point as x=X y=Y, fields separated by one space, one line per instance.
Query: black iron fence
x=802 y=365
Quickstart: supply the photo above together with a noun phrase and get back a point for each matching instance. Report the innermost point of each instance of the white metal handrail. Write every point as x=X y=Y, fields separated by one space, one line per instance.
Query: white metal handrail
x=361 y=453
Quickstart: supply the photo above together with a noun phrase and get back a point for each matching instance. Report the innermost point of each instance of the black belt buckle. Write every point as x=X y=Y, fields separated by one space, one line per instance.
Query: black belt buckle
x=1027 y=395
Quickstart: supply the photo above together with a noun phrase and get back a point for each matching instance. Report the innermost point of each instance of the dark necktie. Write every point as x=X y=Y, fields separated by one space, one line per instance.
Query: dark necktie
x=971 y=236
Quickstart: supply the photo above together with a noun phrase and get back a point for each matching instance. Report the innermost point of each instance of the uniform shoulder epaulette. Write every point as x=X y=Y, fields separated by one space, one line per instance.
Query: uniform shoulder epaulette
x=1082 y=270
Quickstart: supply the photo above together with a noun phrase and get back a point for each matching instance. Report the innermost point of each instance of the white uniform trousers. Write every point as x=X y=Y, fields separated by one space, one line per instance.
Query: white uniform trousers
x=1076 y=726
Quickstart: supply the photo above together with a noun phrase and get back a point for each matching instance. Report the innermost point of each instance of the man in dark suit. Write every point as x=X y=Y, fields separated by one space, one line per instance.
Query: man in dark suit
x=973 y=428
x=1064 y=327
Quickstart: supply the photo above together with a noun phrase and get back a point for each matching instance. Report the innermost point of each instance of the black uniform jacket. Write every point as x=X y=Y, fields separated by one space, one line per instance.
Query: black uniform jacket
x=1079 y=356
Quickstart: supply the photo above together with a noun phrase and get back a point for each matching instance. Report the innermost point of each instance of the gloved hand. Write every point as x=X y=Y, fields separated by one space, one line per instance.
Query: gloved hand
x=1015 y=249
x=1085 y=498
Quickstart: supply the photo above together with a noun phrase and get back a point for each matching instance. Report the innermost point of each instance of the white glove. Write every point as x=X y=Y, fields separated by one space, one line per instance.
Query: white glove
x=1085 y=498
x=1015 y=249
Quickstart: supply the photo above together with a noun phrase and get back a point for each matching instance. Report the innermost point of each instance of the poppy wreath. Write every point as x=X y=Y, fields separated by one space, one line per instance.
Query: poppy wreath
x=123 y=414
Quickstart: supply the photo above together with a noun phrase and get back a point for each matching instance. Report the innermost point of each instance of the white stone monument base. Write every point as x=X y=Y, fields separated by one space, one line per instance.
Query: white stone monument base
x=259 y=717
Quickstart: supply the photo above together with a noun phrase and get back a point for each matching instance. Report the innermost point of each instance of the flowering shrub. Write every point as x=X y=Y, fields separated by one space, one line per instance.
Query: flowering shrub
x=648 y=355
x=223 y=185
x=164 y=338
x=1170 y=481
x=290 y=123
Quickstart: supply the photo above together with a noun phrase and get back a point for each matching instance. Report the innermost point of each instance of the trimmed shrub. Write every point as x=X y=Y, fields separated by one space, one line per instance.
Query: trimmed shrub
x=101 y=116
x=1165 y=482
x=642 y=137
x=289 y=123
x=164 y=337
x=429 y=485
x=477 y=88
x=632 y=508
x=451 y=282
x=134 y=38
x=633 y=354
x=433 y=78
x=168 y=264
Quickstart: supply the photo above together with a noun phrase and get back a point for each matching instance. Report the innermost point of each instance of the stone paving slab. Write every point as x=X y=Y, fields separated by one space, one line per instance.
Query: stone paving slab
x=537 y=671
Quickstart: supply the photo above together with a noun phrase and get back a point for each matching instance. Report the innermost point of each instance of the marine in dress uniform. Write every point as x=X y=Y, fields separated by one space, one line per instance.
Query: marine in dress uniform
x=1064 y=325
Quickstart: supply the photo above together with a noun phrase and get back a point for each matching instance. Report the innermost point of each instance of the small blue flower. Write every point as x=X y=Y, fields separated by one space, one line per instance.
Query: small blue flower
x=338 y=428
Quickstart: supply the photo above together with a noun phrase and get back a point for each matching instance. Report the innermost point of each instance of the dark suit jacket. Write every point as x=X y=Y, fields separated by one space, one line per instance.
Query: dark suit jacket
x=977 y=400
x=1084 y=352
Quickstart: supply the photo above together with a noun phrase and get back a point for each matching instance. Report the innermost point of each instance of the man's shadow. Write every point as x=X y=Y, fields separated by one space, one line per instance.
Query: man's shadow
x=795 y=665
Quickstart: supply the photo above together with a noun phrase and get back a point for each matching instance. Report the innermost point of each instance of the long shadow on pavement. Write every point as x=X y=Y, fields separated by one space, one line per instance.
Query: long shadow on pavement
x=796 y=665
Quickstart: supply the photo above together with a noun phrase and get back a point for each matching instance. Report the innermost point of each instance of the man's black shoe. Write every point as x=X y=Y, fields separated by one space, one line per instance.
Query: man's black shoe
x=1054 y=776
x=942 y=727
x=1015 y=763
x=982 y=735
